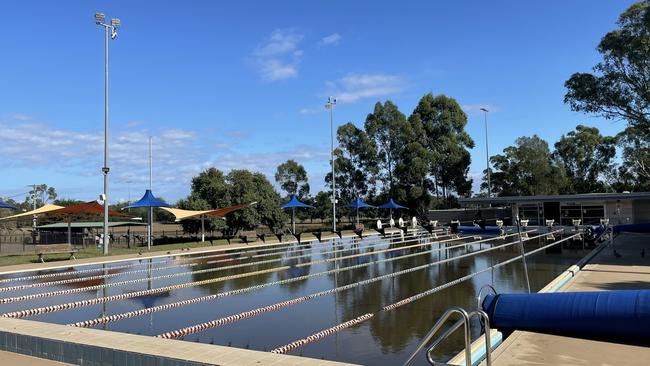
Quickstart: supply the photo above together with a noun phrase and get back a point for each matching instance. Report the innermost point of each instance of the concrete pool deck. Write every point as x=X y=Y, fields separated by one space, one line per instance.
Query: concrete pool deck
x=605 y=271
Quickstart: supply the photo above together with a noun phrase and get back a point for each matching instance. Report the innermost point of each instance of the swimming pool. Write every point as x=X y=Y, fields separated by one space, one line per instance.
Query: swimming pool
x=366 y=301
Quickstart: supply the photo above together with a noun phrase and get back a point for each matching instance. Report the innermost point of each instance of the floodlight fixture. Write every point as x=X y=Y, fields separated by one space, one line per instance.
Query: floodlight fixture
x=484 y=110
x=115 y=22
x=99 y=18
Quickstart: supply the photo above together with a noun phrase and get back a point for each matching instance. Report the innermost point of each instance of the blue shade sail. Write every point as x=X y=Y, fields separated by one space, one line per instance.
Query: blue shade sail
x=148 y=200
x=358 y=203
x=293 y=202
x=391 y=204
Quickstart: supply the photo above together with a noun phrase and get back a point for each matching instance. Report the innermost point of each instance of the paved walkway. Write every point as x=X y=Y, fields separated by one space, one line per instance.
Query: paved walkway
x=605 y=271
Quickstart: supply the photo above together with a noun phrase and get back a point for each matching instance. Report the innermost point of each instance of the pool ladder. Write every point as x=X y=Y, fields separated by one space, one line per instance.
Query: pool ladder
x=464 y=320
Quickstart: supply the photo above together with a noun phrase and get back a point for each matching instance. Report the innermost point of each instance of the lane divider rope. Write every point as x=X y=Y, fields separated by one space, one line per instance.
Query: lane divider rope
x=128 y=295
x=222 y=251
x=147 y=270
x=8 y=300
x=247 y=314
x=312 y=338
x=164 y=307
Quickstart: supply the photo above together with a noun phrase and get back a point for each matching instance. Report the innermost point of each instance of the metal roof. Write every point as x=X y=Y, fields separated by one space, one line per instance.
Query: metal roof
x=556 y=198
x=61 y=225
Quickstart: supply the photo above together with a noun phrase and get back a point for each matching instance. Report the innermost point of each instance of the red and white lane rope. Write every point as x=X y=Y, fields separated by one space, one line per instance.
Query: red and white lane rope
x=111 y=275
x=312 y=338
x=322 y=334
x=156 y=266
x=221 y=252
x=247 y=314
x=82 y=303
x=8 y=300
x=145 y=311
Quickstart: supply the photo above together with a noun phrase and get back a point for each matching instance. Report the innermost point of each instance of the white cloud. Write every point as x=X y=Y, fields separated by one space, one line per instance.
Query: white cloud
x=332 y=39
x=353 y=87
x=278 y=57
x=307 y=111
x=178 y=155
x=475 y=109
x=266 y=162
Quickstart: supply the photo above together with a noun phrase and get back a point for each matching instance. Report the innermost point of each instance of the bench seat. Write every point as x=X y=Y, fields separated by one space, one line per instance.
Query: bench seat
x=42 y=250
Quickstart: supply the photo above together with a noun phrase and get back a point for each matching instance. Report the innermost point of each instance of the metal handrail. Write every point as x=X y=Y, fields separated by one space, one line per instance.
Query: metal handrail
x=479 y=297
x=436 y=327
x=464 y=320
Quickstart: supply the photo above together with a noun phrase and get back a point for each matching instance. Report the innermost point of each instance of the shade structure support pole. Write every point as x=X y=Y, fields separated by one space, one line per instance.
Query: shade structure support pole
x=69 y=231
x=202 y=228
x=293 y=220
x=150 y=229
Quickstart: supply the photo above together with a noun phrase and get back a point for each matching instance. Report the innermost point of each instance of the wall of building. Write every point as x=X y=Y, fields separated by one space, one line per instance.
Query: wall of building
x=641 y=211
x=620 y=212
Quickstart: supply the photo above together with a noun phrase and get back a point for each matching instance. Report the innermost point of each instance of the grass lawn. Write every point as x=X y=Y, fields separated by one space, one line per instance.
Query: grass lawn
x=7 y=260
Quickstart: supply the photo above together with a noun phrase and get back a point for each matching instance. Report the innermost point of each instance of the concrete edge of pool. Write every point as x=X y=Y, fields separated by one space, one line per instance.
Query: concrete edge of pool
x=101 y=347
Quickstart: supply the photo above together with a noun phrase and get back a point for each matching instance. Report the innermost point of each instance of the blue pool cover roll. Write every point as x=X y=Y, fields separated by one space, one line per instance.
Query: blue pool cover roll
x=632 y=228
x=602 y=314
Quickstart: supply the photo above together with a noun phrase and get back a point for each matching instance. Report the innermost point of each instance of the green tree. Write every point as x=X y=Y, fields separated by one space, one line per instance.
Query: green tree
x=403 y=159
x=211 y=189
x=413 y=185
x=292 y=178
x=384 y=127
x=69 y=202
x=443 y=124
x=619 y=88
x=526 y=169
x=246 y=186
x=41 y=193
x=634 y=172
x=356 y=163
x=586 y=157
x=322 y=206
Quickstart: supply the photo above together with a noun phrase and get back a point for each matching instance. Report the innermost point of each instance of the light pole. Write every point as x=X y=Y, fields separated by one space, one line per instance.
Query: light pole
x=331 y=102
x=110 y=31
x=487 y=153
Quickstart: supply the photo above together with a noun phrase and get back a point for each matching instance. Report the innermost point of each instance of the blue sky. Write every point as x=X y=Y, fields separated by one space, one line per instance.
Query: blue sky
x=242 y=84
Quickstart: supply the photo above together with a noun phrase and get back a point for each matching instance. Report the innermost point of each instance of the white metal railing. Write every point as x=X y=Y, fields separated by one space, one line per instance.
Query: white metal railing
x=463 y=321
